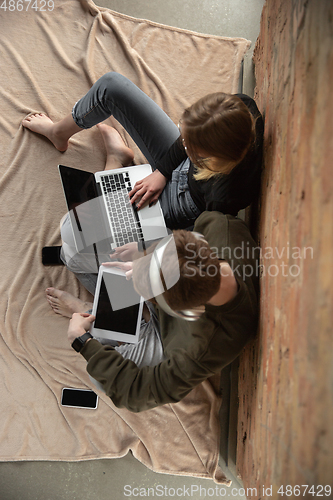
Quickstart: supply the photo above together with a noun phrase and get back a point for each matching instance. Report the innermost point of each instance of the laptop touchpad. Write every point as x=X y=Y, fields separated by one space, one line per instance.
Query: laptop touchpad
x=149 y=212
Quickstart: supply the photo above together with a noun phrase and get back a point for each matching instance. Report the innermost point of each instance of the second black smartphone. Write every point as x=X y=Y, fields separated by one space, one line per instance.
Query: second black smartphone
x=79 y=398
x=51 y=256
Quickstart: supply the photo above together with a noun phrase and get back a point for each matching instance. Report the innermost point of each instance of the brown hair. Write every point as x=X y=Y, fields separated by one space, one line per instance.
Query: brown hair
x=198 y=266
x=220 y=125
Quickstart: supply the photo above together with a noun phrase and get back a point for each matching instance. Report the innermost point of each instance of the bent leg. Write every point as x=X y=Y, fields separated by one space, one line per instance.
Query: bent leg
x=148 y=125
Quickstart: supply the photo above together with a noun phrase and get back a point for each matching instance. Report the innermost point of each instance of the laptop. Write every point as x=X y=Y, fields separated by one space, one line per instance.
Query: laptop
x=101 y=214
x=117 y=308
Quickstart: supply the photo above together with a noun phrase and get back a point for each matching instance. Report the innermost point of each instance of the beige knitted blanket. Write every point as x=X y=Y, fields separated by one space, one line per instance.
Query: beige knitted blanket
x=49 y=59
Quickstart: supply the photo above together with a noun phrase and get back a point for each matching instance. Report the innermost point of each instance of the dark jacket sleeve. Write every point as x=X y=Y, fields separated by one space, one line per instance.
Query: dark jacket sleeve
x=175 y=155
x=140 y=389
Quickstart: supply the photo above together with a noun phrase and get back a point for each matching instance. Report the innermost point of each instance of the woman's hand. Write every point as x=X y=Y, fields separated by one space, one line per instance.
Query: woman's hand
x=148 y=189
x=79 y=325
x=125 y=266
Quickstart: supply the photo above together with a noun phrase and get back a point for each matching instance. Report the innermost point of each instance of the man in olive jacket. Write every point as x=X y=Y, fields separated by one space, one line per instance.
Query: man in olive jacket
x=219 y=272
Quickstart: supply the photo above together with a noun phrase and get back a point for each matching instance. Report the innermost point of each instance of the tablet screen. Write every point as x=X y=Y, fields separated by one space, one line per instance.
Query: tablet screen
x=114 y=291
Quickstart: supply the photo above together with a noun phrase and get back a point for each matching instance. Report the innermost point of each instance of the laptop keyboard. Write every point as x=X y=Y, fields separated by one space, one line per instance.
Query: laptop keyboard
x=124 y=218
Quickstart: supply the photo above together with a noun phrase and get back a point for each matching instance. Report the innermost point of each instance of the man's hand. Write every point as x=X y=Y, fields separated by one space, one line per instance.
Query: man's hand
x=125 y=252
x=148 y=189
x=125 y=266
x=79 y=325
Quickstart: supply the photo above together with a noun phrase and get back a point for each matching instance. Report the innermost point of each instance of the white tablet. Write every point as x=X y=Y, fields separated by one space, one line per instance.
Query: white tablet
x=117 y=307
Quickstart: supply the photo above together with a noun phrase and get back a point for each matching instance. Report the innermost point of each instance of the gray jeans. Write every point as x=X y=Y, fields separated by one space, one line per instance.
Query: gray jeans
x=150 y=128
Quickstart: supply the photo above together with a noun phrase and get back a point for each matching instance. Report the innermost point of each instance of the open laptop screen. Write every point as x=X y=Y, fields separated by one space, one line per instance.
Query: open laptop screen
x=79 y=186
x=87 y=214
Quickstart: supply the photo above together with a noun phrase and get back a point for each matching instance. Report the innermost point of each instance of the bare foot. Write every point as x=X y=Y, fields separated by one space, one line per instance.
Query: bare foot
x=42 y=124
x=118 y=154
x=64 y=303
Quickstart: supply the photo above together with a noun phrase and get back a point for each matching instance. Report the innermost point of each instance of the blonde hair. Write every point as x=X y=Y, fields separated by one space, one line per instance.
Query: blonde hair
x=220 y=125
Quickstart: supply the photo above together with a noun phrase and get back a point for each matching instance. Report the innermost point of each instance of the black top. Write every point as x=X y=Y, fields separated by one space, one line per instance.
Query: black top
x=227 y=193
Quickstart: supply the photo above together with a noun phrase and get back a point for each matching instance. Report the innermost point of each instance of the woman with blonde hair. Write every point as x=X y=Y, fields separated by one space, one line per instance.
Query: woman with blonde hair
x=210 y=161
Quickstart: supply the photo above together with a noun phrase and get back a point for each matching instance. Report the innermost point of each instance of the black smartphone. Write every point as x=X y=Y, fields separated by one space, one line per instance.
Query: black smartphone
x=51 y=256
x=79 y=398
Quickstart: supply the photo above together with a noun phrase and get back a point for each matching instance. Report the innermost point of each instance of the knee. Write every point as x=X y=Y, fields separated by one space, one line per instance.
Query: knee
x=113 y=84
x=112 y=77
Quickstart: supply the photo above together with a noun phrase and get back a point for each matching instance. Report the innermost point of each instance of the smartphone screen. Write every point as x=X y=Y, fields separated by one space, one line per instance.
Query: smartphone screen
x=79 y=398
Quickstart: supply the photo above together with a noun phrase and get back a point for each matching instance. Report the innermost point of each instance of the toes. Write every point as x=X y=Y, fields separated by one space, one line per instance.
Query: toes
x=52 y=297
x=53 y=292
x=35 y=116
x=52 y=300
x=53 y=304
x=29 y=118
